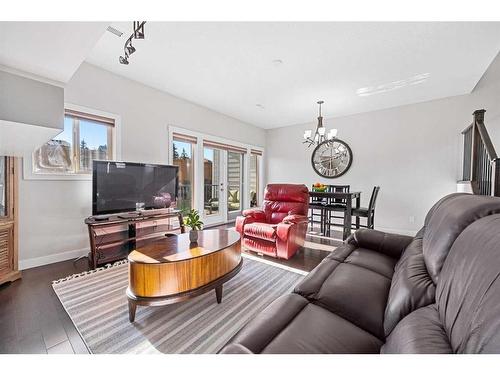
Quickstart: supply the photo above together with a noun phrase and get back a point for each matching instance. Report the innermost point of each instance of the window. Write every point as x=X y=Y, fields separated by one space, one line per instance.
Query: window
x=254 y=178
x=3 y=186
x=182 y=150
x=85 y=138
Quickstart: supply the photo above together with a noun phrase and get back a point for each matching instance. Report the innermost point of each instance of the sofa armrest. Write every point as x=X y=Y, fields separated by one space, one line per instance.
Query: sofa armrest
x=389 y=244
x=235 y=349
x=295 y=219
x=255 y=214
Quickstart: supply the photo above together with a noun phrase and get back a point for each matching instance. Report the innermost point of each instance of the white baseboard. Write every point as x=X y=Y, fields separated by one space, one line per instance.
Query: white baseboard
x=53 y=258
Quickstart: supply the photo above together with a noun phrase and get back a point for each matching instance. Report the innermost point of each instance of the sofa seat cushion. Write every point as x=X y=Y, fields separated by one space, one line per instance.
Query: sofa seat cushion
x=259 y=246
x=315 y=330
x=357 y=294
x=420 y=332
x=261 y=230
x=373 y=261
x=353 y=283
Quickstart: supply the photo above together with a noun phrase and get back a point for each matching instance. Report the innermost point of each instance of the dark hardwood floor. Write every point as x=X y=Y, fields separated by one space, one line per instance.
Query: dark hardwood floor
x=32 y=320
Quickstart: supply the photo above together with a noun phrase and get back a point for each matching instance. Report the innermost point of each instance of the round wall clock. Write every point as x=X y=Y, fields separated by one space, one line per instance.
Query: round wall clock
x=331 y=158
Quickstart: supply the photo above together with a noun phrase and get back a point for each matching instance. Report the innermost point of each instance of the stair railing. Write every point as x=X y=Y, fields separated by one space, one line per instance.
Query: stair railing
x=481 y=165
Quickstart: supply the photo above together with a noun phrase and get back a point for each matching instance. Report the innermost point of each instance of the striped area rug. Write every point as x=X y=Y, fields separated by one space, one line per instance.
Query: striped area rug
x=97 y=305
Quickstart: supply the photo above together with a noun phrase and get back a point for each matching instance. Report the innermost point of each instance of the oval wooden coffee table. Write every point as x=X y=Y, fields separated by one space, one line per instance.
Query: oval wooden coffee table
x=173 y=269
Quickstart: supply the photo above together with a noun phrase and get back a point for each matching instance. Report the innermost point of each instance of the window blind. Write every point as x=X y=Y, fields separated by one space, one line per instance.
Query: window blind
x=86 y=116
x=224 y=146
x=184 y=138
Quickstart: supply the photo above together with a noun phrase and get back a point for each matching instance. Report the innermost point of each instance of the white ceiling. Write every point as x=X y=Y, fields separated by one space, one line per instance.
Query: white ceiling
x=229 y=67
x=51 y=50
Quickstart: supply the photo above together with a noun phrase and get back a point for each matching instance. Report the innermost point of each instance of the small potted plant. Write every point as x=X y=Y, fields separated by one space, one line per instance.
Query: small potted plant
x=193 y=221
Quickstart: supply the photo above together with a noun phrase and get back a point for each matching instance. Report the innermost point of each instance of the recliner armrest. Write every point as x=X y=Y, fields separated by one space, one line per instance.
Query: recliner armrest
x=254 y=213
x=389 y=244
x=295 y=219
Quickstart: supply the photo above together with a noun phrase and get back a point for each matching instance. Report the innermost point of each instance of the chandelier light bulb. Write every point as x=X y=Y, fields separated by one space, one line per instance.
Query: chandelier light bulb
x=320 y=134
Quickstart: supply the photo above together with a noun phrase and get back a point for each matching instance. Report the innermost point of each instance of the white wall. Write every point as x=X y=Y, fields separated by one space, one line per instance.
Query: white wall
x=52 y=212
x=31 y=113
x=31 y=102
x=413 y=152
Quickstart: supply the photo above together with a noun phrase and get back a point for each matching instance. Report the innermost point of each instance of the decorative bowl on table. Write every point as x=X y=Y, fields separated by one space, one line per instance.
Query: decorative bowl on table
x=319 y=187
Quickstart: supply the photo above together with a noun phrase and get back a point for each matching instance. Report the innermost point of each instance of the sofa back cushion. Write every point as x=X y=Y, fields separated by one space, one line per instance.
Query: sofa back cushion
x=411 y=286
x=417 y=271
x=468 y=290
x=446 y=220
x=282 y=199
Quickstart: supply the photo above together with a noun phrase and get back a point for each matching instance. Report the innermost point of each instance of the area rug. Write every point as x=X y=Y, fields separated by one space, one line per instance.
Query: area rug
x=96 y=303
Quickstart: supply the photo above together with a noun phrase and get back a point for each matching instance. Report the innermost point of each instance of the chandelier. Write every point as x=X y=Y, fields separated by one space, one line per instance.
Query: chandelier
x=129 y=48
x=320 y=133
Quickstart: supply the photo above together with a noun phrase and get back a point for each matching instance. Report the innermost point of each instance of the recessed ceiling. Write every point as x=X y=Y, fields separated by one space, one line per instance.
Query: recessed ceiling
x=51 y=50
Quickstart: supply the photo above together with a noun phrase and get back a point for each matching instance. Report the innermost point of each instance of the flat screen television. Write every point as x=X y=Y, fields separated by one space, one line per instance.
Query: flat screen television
x=125 y=187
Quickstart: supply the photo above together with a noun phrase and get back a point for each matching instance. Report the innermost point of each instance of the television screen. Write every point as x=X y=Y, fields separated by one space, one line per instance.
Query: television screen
x=124 y=187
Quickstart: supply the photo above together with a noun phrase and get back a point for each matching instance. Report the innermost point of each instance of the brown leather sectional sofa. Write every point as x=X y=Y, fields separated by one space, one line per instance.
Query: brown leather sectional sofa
x=438 y=292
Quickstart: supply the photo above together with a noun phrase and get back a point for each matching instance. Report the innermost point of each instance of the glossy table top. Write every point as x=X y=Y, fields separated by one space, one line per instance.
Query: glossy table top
x=179 y=247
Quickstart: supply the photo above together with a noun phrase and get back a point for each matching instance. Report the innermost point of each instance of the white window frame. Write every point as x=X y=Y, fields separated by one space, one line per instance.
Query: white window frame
x=198 y=171
x=28 y=173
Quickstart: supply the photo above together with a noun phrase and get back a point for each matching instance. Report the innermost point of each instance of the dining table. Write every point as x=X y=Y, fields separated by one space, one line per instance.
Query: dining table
x=347 y=199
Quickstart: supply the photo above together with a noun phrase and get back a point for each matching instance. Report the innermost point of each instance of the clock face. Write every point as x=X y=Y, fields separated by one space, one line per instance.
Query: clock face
x=331 y=158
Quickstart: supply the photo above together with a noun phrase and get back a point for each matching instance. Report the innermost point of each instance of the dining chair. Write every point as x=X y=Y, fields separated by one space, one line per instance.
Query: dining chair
x=367 y=212
x=316 y=204
x=335 y=205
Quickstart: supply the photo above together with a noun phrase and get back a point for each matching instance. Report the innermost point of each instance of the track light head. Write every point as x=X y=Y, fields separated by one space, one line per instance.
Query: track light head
x=130 y=49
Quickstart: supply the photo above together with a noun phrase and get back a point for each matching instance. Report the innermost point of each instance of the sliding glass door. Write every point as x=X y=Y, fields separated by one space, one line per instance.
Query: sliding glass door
x=234 y=184
x=213 y=189
x=183 y=157
x=218 y=178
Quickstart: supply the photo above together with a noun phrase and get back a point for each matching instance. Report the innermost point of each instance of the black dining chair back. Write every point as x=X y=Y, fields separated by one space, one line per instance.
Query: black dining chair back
x=369 y=212
x=338 y=189
x=373 y=198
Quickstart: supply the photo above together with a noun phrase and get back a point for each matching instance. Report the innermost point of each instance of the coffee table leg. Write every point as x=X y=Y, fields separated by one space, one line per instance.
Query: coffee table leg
x=131 y=310
x=218 y=293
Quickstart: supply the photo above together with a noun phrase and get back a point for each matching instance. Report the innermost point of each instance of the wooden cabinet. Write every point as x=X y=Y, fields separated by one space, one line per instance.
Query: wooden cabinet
x=8 y=220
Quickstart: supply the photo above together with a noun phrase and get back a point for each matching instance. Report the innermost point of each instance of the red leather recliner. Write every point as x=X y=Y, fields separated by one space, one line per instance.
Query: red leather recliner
x=279 y=229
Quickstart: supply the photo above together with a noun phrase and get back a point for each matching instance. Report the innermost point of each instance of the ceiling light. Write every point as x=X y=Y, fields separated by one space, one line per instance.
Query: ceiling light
x=129 y=48
x=277 y=62
x=319 y=134
x=394 y=85
x=259 y=106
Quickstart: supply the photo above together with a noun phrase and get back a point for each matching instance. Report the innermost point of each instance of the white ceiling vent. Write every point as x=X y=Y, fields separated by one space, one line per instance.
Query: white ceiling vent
x=112 y=30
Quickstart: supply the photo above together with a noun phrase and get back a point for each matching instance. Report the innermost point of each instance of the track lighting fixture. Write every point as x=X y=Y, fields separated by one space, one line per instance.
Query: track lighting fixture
x=129 y=48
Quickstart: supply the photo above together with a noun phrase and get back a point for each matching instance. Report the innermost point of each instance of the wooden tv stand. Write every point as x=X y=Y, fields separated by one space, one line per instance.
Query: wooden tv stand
x=115 y=237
